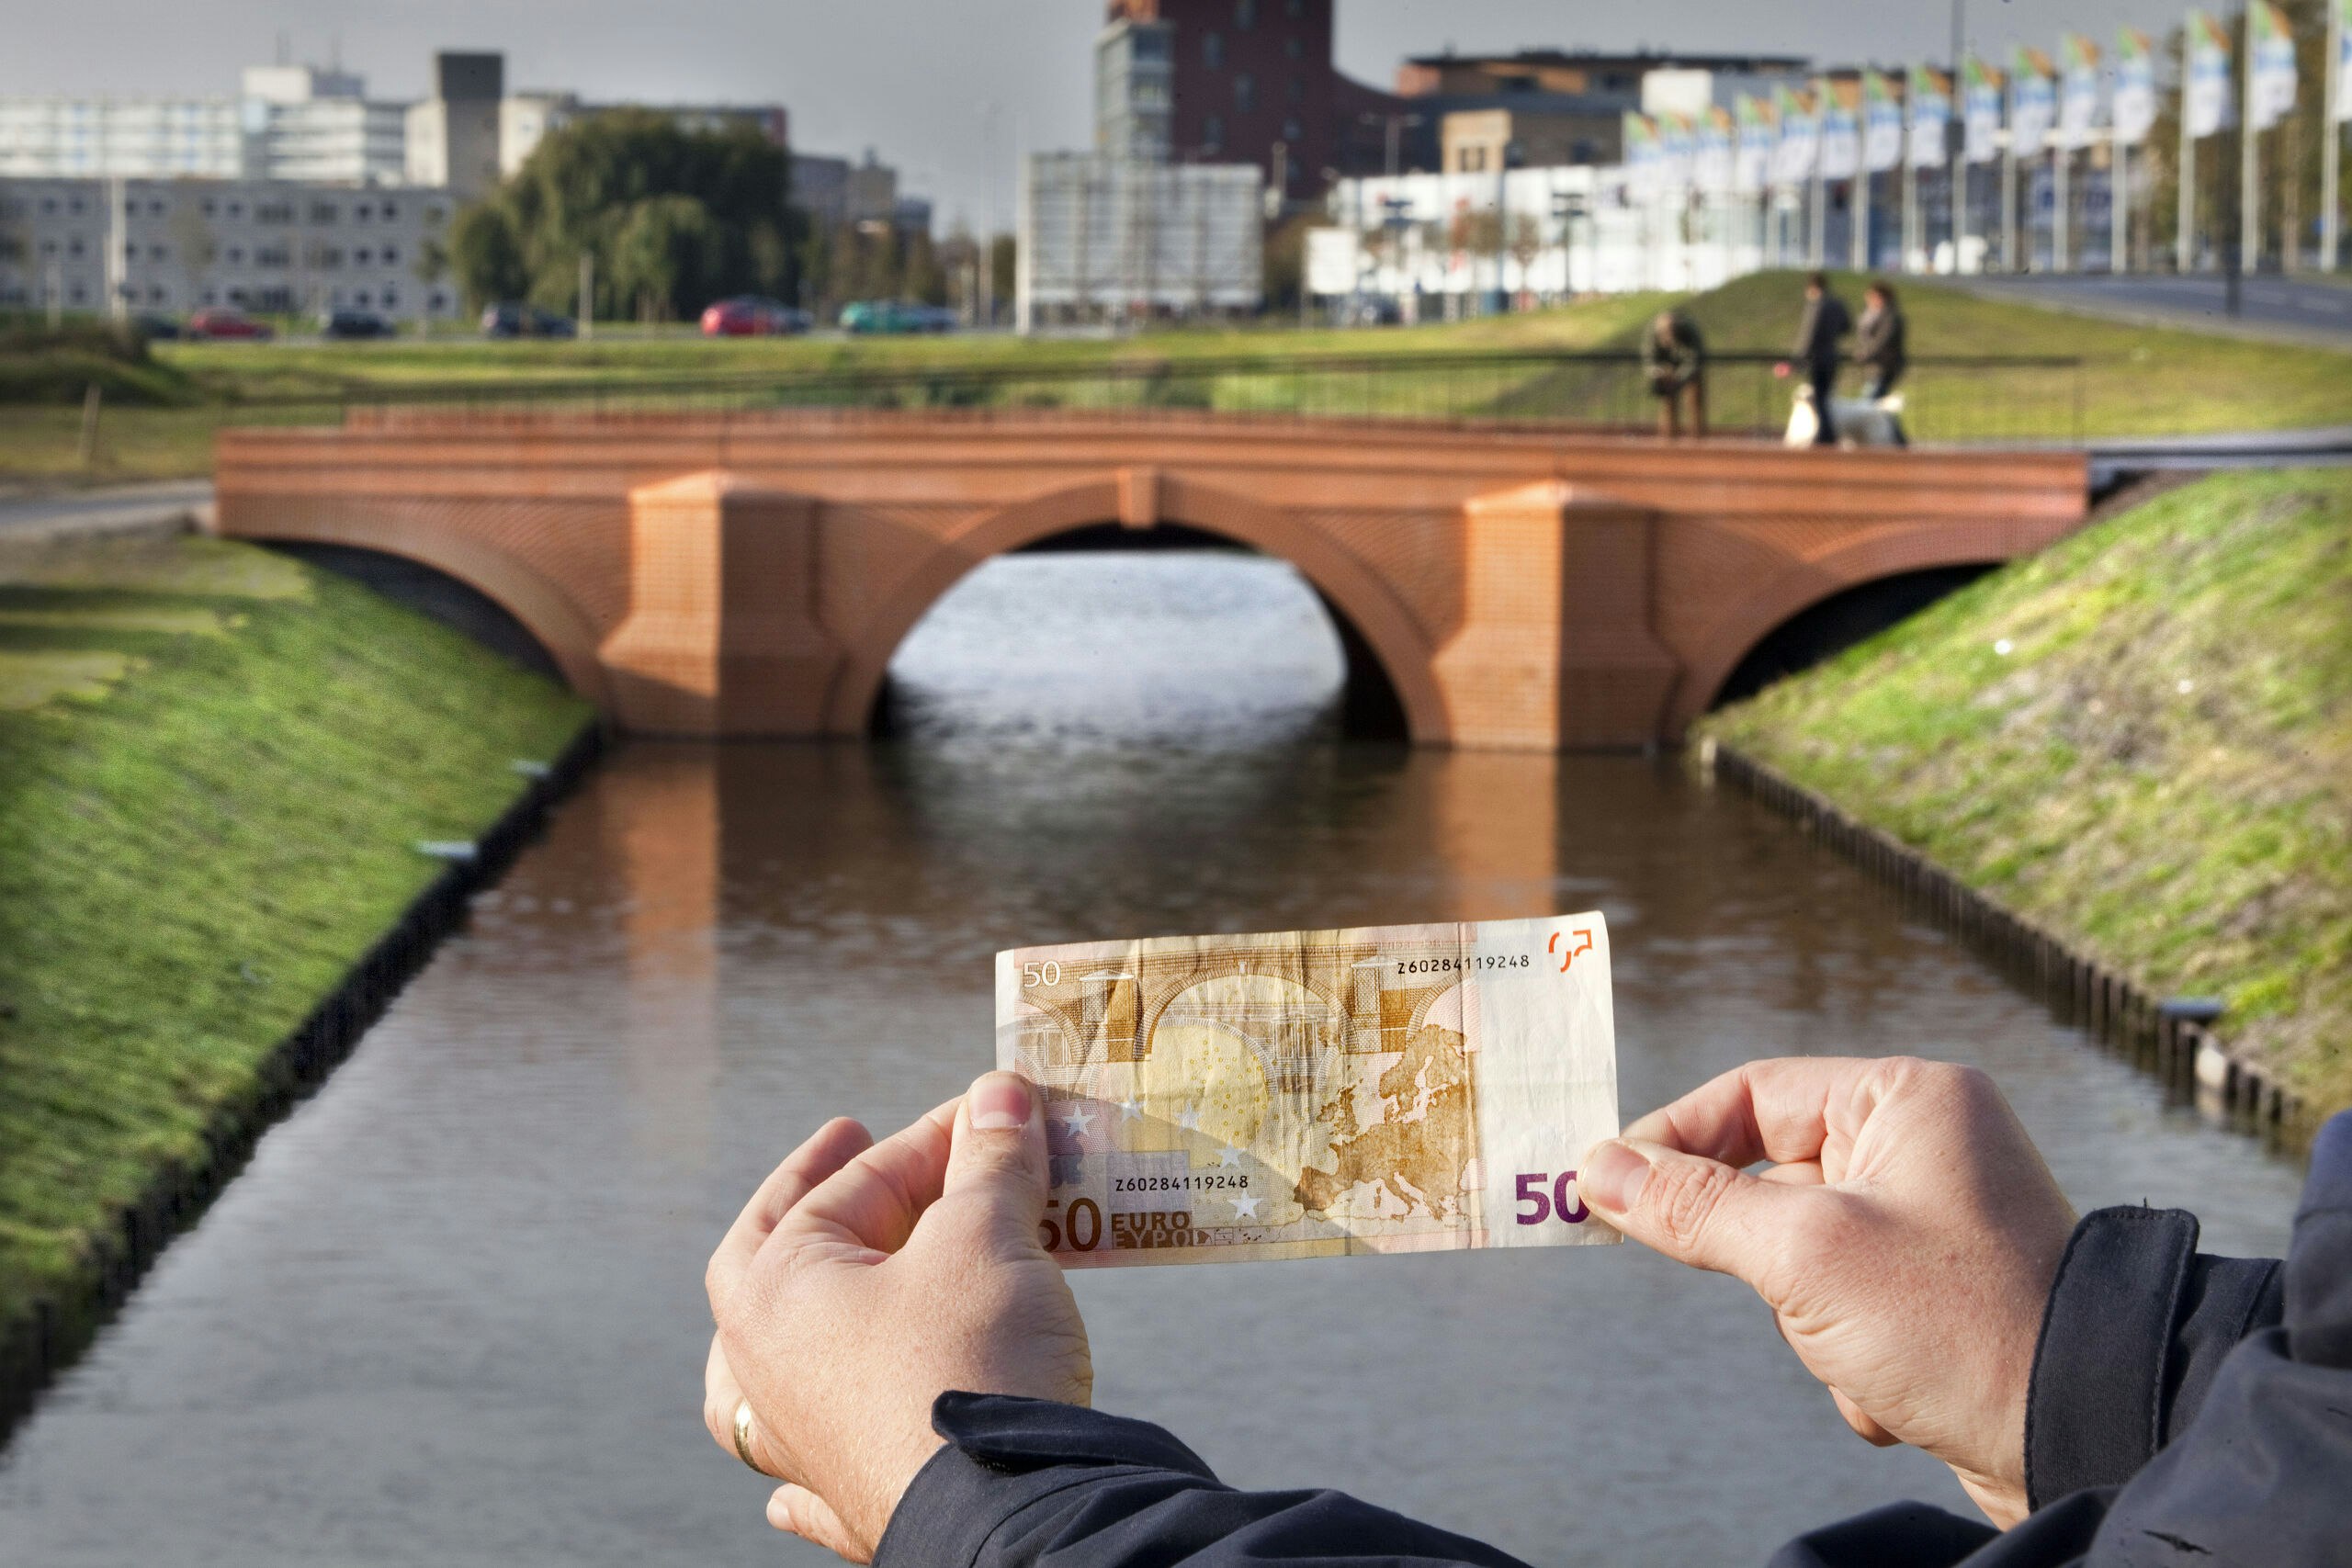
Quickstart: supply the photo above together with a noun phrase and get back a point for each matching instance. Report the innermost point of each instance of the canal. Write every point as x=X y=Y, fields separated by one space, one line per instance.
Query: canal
x=452 y=1312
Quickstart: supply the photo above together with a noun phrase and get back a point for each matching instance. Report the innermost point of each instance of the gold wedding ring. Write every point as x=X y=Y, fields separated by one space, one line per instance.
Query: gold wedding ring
x=743 y=1433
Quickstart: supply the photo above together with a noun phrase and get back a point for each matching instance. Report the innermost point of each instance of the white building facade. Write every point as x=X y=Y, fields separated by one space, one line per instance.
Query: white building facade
x=1103 y=240
x=291 y=122
x=181 y=244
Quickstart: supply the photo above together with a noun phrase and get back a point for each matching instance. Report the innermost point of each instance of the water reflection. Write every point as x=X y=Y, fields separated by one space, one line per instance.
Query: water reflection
x=451 y=1313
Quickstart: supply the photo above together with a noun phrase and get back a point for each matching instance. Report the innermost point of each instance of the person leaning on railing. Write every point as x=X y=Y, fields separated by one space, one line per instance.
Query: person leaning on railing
x=1674 y=357
x=898 y=1348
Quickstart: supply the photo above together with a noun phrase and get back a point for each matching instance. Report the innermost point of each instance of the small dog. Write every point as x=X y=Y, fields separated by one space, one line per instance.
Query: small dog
x=1861 y=422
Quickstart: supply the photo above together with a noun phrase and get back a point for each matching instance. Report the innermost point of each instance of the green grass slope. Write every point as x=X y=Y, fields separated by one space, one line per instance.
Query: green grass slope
x=2140 y=739
x=214 y=764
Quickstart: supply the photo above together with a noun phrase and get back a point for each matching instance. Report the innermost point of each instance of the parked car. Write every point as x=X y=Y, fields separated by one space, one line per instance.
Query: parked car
x=887 y=316
x=225 y=322
x=156 y=328
x=513 y=320
x=354 y=323
x=752 y=315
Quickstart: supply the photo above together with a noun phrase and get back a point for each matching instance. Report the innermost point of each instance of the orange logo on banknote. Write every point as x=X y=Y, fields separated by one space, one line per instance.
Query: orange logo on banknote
x=1570 y=956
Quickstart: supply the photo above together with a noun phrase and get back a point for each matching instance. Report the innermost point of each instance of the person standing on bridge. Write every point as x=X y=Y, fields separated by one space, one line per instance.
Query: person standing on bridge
x=1824 y=325
x=1878 y=349
x=1674 y=357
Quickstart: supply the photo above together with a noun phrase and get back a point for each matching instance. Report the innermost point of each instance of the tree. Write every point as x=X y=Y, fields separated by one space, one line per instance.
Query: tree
x=674 y=219
x=487 y=255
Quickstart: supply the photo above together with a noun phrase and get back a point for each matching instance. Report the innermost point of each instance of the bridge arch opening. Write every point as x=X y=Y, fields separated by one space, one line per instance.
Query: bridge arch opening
x=436 y=594
x=1829 y=626
x=1176 y=630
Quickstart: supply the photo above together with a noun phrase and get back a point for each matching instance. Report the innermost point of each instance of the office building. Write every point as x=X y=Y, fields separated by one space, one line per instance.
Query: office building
x=1109 y=239
x=1234 y=81
x=453 y=136
x=1545 y=108
x=319 y=125
x=172 y=245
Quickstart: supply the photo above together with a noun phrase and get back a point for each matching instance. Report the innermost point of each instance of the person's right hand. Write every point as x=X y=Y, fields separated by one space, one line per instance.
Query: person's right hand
x=1905 y=1237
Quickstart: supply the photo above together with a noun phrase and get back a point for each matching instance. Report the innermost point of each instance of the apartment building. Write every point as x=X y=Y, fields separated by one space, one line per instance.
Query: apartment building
x=175 y=245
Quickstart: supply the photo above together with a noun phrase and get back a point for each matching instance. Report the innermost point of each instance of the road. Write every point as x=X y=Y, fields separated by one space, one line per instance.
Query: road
x=2294 y=309
x=119 y=509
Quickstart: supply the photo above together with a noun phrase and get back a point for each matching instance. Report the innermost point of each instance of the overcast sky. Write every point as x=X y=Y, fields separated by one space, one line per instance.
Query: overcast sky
x=948 y=90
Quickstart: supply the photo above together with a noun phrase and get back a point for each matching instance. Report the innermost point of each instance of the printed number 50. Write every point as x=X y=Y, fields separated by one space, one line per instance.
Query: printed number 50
x=1047 y=974
x=1559 y=1200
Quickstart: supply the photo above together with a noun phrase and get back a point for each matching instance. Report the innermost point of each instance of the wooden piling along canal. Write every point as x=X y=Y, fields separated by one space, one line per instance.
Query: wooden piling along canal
x=2184 y=1054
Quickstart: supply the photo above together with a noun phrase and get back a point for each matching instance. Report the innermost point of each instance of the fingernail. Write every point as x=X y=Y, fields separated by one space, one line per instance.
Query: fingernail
x=1612 y=1177
x=999 y=1103
x=780 y=1508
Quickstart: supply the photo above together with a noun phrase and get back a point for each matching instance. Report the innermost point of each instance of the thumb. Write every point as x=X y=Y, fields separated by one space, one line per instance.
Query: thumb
x=996 y=1163
x=1694 y=1209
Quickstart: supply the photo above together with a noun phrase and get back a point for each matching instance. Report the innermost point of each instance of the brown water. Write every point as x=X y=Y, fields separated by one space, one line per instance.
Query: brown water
x=452 y=1312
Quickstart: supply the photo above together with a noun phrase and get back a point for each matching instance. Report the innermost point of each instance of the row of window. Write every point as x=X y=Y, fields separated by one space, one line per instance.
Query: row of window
x=262 y=255
x=276 y=211
x=1212 y=49
x=1212 y=132
x=278 y=297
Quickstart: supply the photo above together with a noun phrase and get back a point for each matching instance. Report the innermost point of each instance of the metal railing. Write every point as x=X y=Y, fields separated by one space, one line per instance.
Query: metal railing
x=1949 y=399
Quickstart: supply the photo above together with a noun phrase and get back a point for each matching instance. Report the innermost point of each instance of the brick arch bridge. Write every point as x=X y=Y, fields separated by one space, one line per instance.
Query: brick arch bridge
x=752 y=574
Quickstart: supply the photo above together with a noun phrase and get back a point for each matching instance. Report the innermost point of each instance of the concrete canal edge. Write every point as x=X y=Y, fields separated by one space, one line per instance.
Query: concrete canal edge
x=2185 y=1056
x=38 y=1345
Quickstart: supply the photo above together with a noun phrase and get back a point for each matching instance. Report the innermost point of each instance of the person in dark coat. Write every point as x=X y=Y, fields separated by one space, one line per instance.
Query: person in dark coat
x=1674 y=358
x=1878 y=341
x=1817 y=351
x=896 y=1346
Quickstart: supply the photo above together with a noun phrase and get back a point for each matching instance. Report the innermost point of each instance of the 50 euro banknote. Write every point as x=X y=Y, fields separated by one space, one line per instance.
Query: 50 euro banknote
x=1311 y=1094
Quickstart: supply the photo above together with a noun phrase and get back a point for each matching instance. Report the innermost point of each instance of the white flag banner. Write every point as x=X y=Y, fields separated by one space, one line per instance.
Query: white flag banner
x=1929 y=105
x=1882 y=123
x=2078 y=91
x=2340 y=12
x=1981 y=105
x=1841 y=134
x=2270 y=96
x=2033 y=103
x=1759 y=138
x=2134 y=110
x=2209 y=102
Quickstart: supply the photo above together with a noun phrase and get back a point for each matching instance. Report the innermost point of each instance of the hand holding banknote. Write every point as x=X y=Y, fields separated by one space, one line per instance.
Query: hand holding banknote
x=1905 y=1237
x=866 y=1279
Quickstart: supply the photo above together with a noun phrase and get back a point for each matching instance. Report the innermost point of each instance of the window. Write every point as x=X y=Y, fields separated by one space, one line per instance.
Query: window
x=388 y=211
x=323 y=212
x=49 y=205
x=1294 y=9
x=1212 y=133
x=1245 y=91
x=210 y=207
x=236 y=209
x=74 y=246
x=1296 y=89
x=1295 y=47
x=1245 y=15
x=1212 y=50
x=156 y=208
x=390 y=255
x=236 y=255
x=1292 y=131
x=157 y=252
x=359 y=212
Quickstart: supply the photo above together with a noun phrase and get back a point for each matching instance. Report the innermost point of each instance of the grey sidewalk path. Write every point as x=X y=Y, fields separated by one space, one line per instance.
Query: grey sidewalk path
x=2271 y=307
x=120 y=509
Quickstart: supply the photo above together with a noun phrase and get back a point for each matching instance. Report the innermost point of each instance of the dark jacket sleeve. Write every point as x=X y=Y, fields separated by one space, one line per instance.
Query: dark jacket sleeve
x=2225 y=1383
x=1025 y=1483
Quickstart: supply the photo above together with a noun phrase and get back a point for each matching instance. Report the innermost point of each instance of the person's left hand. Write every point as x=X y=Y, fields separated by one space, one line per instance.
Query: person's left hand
x=861 y=1283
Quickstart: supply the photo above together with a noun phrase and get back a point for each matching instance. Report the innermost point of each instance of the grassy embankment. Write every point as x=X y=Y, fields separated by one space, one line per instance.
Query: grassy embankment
x=2136 y=381
x=214 y=766
x=2140 y=739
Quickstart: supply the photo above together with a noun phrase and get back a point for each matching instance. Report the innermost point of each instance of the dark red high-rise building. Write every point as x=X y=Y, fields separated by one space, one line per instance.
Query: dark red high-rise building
x=1241 y=82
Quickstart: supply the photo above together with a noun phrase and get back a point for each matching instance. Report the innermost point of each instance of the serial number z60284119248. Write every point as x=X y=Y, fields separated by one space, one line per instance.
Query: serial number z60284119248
x=1199 y=1181
x=1460 y=962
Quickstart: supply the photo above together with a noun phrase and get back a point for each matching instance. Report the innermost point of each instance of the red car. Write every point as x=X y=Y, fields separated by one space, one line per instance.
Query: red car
x=222 y=321
x=749 y=315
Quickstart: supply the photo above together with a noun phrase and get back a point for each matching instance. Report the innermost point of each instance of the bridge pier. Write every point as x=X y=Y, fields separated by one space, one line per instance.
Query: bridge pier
x=1556 y=648
x=722 y=638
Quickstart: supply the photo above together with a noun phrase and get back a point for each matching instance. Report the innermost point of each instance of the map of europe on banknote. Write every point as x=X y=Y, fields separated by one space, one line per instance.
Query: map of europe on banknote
x=1310 y=1094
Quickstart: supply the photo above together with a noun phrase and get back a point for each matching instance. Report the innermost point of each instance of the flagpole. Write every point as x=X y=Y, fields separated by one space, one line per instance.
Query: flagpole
x=2249 y=161
x=2184 y=258
x=1859 y=250
x=2009 y=191
x=2119 y=203
x=1817 y=241
x=2332 y=134
x=1913 y=241
x=2060 y=219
